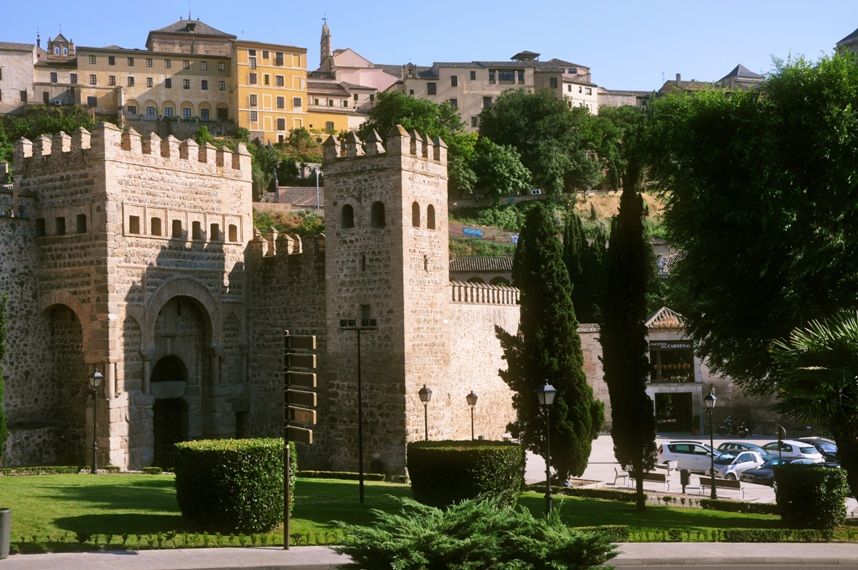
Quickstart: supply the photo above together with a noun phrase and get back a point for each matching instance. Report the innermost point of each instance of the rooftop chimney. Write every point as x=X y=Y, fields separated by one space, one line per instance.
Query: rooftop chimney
x=678 y=77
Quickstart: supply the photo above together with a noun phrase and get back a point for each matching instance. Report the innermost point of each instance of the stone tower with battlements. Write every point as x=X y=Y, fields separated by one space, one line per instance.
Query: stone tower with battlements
x=386 y=260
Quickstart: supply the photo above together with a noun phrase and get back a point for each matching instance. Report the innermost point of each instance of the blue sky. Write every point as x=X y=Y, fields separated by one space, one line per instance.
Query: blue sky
x=627 y=44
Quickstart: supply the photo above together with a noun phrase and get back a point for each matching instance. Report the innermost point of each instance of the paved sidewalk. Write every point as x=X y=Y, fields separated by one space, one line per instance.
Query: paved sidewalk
x=637 y=554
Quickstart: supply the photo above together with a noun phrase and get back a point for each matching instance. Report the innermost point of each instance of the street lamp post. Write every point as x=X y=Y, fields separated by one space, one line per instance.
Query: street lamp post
x=781 y=438
x=545 y=398
x=472 y=401
x=425 y=395
x=364 y=325
x=94 y=384
x=709 y=401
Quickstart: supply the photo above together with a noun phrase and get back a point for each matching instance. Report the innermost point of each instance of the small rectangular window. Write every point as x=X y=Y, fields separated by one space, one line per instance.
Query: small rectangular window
x=214 y=232
x=92 y=101
x=204 y=114
x=251 y=79
x=552 y=82
x=46 y=98
x=186 y=83
x=265 y=54
x=221 y=85
x=233 y=232
x=278 y=58
x=186 y=64
x=92 y=60
x=168 y=83
x=132 y=109
x=475 y=121
x=60 y=226
x=197 y=231
x=254 y=116
x=130 y=81
x=155 y=226
x=221 y=66
x=454 y=80
x=281 y=102
x=149 y=82
x=252 y=62
x=111 y=80
x=80 y=223
x=204 y=66
x=491 y=76
x=266 y=79
x=111 y=60
x=130 y=62
x=73 y=78
x=23 y=96
x=40 y=227
x=133 y=224
x=281 y=124
x=431 y=88
x=487 y=102
x=280 y=81
x=177 y=229
x=297 y=102
x=150 y=112
x=186 y=113
x=521 y=76
x=253 y=100
x=168 y=64
x=473 y=75
x=204 y=85
x=92 y=79
x=148 y=62
x=53 y=77
x=329 y=126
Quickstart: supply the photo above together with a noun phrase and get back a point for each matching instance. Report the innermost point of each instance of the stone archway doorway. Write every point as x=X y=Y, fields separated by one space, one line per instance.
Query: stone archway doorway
x=170 y=412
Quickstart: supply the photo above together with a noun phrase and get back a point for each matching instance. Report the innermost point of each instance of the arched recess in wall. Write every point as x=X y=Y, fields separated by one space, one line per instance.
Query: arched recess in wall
x=67 y=400
x=376 y=215
x=185 y=287
x=415 y=215
x=52 y=298
x=170 y=411
x=347 y=216
x=430 y=217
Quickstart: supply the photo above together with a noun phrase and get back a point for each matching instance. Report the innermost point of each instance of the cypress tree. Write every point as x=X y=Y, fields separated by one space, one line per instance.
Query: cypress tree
x=547 y=347
x=623 y=335
x=585 y=262
x=3 y=432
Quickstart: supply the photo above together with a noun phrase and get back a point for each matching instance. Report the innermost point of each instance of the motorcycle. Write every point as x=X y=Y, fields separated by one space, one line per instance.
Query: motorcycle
x=727 y=427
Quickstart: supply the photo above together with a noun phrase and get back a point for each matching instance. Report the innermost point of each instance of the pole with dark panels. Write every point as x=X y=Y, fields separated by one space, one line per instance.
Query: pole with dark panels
x=94 y=384
x=365 y=325
x=545 y=398
x=425 y=395
x=709 y=400
x=781 y=438
x=472 y=402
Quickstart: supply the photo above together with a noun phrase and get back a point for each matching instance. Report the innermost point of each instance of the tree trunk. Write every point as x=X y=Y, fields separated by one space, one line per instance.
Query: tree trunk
x=640 y=499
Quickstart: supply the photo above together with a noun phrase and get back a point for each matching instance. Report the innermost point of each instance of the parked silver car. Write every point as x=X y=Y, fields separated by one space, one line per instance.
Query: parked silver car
x=691 y=455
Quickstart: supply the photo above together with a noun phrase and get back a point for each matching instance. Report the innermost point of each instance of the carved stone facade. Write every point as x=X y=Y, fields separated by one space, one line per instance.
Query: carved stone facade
x=135 y=256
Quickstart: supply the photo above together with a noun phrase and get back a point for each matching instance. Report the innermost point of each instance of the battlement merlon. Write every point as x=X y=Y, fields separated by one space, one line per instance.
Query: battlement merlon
x=401 y=146
x=108 y=142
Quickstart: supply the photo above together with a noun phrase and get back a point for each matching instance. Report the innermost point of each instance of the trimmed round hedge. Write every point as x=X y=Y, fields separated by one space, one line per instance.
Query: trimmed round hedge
x=811 y=496
x=232 y=485
x=446 y=472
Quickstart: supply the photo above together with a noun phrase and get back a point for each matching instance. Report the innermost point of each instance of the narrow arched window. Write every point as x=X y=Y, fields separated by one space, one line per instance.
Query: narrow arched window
x=376 y=215
x=347 y=217
x=415 y=215
x=430 y=217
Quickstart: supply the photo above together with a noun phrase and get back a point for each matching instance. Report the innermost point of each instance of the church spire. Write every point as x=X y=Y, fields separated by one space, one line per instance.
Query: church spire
x=326 y=59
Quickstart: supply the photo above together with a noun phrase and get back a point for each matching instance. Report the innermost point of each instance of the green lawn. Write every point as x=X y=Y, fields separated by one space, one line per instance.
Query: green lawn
x=56 y=508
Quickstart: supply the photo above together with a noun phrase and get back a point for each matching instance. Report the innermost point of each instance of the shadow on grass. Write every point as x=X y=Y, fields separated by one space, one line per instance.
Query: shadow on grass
x=122 y=523
x=323 y=501
x=155 y=495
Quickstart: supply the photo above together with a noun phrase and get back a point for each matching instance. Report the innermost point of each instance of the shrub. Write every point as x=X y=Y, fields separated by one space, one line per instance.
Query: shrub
x=606 y=494
x=774 y=535
x=232 y=485
x=809 y=496
x=444 y=472
x=739 y=507
x=478 y=533
x=152 y=470
x=39 y=470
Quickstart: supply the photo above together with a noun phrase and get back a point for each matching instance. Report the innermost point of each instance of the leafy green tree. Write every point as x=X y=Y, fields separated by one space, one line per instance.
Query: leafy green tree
x=265 y=161
x=547 y=347
x=622 y=335
x=3 y=430
x=548 y=136
x=585 y=264
x=761 y=192
x=816 y=381
x=302 y=146
x=498 y=169
x=607 y=136
x=38 y=121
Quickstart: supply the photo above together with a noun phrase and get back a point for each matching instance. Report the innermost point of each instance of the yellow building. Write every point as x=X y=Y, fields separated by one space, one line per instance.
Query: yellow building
x=269 y=88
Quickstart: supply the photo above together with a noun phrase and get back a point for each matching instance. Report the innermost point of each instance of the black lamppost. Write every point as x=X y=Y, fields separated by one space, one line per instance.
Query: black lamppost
x=94 y=384
x=781 y=438
x=472 y=401
x=545 y=397
x=425 y=395
x=709 y=401
x=365 y=325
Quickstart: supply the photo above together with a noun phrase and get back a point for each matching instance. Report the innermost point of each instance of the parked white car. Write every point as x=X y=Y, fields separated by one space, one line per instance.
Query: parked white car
x=732 y=465
x=795 y=450
x=691 y=455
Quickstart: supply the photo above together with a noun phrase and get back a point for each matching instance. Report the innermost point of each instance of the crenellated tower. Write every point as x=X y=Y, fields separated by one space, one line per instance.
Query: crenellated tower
x=387 y=261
